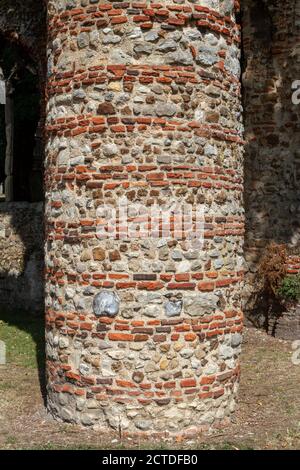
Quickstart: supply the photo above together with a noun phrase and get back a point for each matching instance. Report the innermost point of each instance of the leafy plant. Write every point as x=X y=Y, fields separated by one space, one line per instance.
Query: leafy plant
x=290 y=288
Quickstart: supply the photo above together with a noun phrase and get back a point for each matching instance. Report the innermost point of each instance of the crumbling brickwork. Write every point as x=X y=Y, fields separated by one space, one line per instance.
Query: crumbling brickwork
x=21 y=257
x=21 y=224
x=25 y=23
x=144 y=102
x=271 y=38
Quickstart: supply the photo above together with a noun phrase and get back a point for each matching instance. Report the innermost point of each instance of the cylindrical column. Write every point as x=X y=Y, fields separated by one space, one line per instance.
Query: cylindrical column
x=143 y=303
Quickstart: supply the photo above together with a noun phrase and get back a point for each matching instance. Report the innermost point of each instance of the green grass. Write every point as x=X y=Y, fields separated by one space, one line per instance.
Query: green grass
x=23 y=335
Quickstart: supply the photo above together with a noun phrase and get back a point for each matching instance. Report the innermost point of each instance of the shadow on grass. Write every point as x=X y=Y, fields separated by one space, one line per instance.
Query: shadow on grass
x=24 y=336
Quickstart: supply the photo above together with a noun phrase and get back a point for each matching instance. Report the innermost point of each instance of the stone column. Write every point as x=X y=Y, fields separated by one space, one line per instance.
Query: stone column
x=143 y=334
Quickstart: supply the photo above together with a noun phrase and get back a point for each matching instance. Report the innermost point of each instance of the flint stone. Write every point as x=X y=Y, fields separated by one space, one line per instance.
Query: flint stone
x=63 y=157
x=187 y=353
x=236 y=340
x=138 y=377
x=210 y=150
x=210 y=369
x=67 y=415
x=179 y=58
x=143 y=48
x=70 y=4
x=143 y=425
x=63 y=343
x=201 y=305
x=88 y=419
x=80 y=404
x=173 y=308
x=114 y=416
x=226 y=352
x=84 y=369
x=110 y=150
x=83 y=40
x=151 y=36
x=193 y=35
x=151 y=311
x=165 y=109
x=106 y=304
x=167 y=46
x=135 y=33
x=111 y=39
x=117 y=355
x=94 y=38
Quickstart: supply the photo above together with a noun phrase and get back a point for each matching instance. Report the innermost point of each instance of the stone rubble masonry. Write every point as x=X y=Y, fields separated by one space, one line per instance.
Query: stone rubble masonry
x=144 y=101
x=22 y=256
x=21 y=223
x=24 y=22
x=271 y=38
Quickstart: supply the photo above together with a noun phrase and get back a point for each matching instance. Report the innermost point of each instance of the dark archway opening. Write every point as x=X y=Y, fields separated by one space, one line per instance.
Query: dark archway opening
x=20 y=130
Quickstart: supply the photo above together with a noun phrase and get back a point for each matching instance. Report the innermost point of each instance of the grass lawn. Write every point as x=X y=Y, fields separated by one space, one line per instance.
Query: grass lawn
x=24 y=338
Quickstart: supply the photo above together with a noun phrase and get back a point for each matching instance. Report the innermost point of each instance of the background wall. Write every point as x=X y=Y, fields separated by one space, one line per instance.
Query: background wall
x=21 y=256
x=271 y=61
x=25 y=21
x=21 y=224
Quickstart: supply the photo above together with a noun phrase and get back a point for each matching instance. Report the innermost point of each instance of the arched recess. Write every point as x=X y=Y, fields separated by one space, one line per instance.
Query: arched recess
x=21 y=142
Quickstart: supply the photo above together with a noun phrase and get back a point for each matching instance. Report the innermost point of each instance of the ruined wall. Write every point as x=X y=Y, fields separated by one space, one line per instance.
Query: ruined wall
x=25 y=22
x=144 y=102
x=271 y=41
x=21 y=256
x=21 y=224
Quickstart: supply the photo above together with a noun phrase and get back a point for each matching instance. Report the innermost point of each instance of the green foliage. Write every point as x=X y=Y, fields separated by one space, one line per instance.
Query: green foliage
x=290 y=288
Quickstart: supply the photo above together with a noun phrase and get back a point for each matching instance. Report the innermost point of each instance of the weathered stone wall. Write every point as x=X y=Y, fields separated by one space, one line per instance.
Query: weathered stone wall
x=21 y=256
x=271 y=38
x=21 y=224
x=144 y=102
x=25 y=22
x=287 y=326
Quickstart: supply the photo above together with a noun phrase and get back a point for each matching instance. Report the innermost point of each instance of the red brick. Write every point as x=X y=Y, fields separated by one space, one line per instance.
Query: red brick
x=190 y=337
x=119 y=20
x=188 y=383
x=206 y=286
x=182 y=286
x=120 y=337
x=207 y=380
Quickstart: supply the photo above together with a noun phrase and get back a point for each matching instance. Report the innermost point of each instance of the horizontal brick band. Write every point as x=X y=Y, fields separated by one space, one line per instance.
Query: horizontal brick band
x=167 y=16
x=209 y=280
x=144 y=74
x=68 y=127
x=226 y=319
